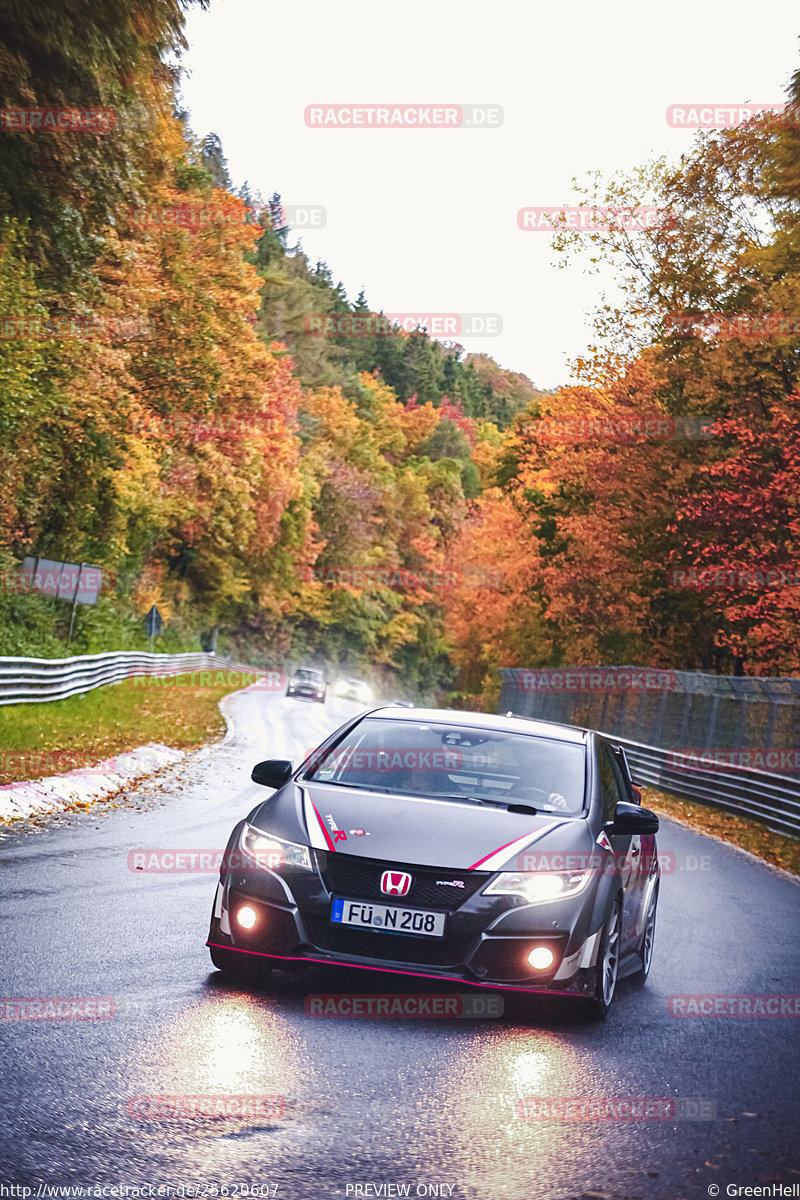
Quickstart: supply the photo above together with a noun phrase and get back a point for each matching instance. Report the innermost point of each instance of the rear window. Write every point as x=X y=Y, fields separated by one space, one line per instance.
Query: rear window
x=452 y=762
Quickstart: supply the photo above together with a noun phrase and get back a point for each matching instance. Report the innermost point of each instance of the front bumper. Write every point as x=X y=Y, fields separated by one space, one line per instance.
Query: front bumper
x=487 y=938
x=305 y=693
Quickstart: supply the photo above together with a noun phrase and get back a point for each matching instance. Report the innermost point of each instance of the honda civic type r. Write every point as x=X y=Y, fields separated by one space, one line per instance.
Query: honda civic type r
x=490 y=850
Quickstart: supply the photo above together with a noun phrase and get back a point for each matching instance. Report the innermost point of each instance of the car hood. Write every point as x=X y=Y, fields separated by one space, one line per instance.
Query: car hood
x=417 y=830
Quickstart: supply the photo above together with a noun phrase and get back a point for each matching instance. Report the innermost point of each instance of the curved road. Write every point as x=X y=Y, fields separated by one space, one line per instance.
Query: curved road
x=430 y=1105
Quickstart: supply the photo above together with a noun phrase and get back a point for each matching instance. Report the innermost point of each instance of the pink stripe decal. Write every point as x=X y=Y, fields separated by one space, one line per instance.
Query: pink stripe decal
x=520 y=843
x=492 y=853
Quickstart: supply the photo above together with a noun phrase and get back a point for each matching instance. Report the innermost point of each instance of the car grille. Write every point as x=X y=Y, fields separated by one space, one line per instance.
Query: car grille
x=360 y=879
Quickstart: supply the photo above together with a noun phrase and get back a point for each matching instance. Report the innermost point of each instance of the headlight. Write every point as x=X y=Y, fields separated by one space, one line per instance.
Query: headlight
x=365 y=693
x=539 y=887
x=275 y=853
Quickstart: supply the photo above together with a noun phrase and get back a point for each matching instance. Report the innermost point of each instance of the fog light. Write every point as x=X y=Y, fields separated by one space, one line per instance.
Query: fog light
x=246 y=916
x=541 y=958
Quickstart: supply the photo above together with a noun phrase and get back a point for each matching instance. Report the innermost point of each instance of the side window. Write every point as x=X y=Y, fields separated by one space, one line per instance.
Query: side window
x=623 y=775
x=609 y=784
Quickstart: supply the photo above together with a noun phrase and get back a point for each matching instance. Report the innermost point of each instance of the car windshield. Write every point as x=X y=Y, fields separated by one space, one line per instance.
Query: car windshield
x=457 y=763
x=308 y=675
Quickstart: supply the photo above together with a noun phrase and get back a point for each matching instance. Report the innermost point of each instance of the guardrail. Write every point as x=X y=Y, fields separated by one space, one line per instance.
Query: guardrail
x=770 y=797
x=35 y=680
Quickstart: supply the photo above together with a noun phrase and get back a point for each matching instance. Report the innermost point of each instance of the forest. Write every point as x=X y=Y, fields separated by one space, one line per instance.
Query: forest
x=173 y=410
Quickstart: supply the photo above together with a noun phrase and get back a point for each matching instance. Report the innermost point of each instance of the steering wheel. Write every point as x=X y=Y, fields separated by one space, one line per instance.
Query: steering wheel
x=528 y=793
x=552 y=800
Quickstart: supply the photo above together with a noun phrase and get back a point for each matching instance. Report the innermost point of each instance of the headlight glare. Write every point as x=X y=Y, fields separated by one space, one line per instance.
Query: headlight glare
x=539 y=887
x=272 y=852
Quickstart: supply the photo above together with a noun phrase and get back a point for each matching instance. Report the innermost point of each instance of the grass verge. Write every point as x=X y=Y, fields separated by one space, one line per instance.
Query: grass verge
x=776 y=848
x=61 y=735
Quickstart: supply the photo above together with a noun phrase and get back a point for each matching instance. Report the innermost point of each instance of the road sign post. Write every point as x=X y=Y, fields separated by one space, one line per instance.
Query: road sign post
x=153 y=624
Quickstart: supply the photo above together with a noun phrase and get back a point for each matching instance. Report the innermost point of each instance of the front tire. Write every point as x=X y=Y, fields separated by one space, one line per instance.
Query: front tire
x=607 y=965
x=639 y=978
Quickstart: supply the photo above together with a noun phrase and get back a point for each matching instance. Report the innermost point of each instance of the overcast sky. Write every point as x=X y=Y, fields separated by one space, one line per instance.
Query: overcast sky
x=426 y=219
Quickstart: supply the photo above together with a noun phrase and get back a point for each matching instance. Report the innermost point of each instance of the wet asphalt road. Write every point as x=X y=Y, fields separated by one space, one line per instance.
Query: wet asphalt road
x=371 y=1102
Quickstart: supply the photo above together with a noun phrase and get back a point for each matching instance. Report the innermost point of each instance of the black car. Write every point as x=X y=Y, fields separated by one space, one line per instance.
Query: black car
x=309 y=683
x=493 y=850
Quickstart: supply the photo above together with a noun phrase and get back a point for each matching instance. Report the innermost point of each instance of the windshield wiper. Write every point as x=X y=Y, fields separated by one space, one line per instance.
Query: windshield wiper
x=359 y=787
x=469 y=799
x=520 y=808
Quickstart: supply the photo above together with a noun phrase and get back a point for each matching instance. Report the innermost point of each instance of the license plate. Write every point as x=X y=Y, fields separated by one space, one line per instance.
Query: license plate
x=387 y=918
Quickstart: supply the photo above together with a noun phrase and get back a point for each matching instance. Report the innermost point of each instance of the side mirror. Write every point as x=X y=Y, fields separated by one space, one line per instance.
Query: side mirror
x=633 y=820
x=274 y=773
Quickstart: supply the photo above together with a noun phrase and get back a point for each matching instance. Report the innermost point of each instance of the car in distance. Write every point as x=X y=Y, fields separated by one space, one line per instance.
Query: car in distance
x=491 y=850
x=309 y=683
x=354 y=689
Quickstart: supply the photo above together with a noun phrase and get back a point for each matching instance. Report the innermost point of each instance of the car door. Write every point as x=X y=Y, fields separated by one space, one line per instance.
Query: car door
x=626 y=849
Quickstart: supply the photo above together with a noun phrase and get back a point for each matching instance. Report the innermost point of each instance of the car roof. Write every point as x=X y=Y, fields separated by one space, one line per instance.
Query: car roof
x=473 y=720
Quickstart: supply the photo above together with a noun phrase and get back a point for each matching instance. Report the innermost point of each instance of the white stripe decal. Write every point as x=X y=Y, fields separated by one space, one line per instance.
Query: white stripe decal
x=224 y=920
x=590 y=948
x=315 y=835
x=495 y=861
